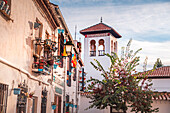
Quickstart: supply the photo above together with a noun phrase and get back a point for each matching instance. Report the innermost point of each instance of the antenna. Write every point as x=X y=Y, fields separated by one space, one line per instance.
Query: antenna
x=75 y=31
x=101 y=20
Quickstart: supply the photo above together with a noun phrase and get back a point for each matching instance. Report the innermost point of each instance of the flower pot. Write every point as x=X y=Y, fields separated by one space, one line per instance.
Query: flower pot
x=41 y=65
x=72 y=105
x=2 y=5
x=55 y=66
x=6 y=8
x=8 y=12
x=67 y=104
x=50 y=62
x=17 y=91
x=40 y=69
x=53 y=107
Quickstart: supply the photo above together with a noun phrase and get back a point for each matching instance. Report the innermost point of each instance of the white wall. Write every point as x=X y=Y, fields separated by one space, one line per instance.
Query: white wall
x=163 y=106
x=84 y=103
x=104 y=60
x=161 y=85
x=15 y=47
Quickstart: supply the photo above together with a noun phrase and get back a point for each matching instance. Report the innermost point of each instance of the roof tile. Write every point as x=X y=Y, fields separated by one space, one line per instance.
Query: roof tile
x=160 y=72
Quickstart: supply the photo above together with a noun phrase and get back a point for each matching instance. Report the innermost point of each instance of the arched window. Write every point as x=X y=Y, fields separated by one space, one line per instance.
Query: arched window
x=115 y=47
x=101 y=47
x=112 y=46
x=92 y=48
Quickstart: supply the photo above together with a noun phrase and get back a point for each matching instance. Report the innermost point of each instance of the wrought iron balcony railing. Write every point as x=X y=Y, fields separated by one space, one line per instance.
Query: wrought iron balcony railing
x=101 y=52
x=92 y=53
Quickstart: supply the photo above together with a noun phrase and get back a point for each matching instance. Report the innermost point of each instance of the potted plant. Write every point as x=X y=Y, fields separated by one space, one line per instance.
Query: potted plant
x=2 y=5
x=31 y=94
x=50 y=61
x=17 y=91
x=53 y=105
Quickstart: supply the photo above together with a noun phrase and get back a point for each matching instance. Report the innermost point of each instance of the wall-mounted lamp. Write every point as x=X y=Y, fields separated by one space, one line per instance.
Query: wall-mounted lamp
x=68 y=46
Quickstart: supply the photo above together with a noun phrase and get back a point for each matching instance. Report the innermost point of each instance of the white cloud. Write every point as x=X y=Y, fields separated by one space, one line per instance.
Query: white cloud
x=150 y=19
x=138 y=22
x=152 y=50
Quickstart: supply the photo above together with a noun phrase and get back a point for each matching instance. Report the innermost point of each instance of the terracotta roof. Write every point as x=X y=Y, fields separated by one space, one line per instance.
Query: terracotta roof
x=162 y=96
x=85 y=93
x=101 y=27
x=162 y=72
x=97 y=27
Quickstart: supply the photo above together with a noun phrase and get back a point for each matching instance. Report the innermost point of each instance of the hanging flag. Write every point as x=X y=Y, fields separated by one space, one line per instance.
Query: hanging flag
x=74 y=61
x=67 y=72
x=65 y=40
x=64 y=52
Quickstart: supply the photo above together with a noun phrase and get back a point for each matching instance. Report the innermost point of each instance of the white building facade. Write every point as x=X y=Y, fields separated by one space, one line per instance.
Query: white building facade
x=99 y=39
x=31 y=44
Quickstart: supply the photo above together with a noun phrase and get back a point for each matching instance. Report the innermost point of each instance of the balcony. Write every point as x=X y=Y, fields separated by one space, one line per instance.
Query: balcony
x=101 y=52
x=92 y=53
x=5 y=8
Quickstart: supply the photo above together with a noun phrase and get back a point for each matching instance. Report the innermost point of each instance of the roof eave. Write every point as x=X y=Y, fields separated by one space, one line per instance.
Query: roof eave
x=113 y=32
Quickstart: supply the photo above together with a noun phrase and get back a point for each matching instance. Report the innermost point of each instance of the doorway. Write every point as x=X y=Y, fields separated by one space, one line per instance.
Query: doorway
x=57 y=101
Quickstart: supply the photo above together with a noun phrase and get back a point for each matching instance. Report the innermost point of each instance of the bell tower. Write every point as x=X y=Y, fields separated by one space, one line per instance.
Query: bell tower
x=99 y=39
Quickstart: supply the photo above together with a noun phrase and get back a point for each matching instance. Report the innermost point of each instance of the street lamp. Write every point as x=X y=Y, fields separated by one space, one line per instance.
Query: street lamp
x=67 y=49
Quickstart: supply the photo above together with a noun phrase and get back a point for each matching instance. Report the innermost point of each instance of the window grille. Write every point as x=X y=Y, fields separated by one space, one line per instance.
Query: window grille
x=5 y=7
x=92 y=53
x=43 y=101
x=3 y=97
x=101 y=52
x=22 y=99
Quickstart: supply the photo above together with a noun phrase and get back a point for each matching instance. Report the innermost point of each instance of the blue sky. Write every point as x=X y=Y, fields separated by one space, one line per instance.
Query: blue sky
x=147 y=22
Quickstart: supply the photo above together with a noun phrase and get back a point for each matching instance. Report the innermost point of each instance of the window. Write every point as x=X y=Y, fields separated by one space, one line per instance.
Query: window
x=37 y=46
x=72 y=110
x=57 y=101
x=115 y=47
x=43 y=101
x=92 y=48
x=67 y=101
x=38 y=26
x=34 y=105
x=22 y=99
x=101 y=47
x=112 y=46
x=47 y=47
x=60 y=48
x=3 y=97
x=5 y=8
x=75 y=73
